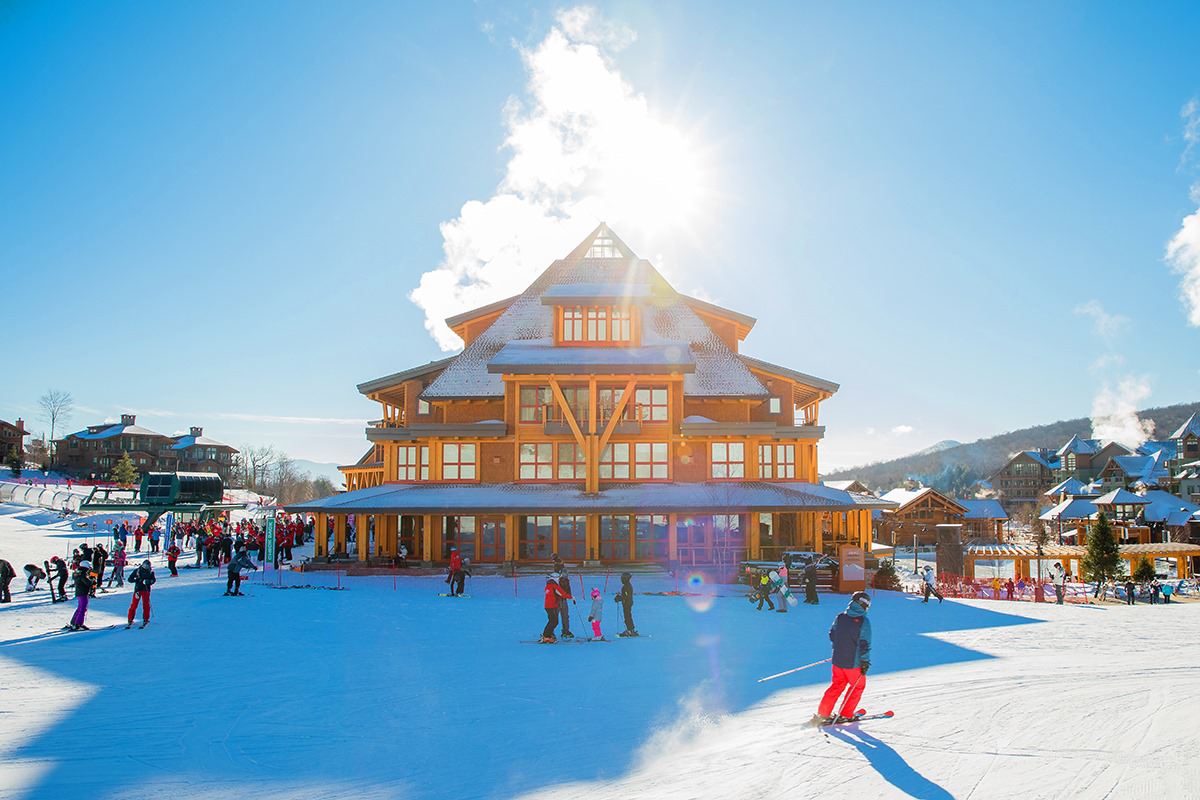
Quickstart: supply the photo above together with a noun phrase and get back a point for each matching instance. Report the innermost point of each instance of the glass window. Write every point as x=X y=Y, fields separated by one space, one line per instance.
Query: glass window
x=774 y=405
x=459 y=532
x=777 y=461
x=614 y=461
x=537 y=538
x=572 y=537
x=572 y=324
x=728 y=460
x=572 y=463
x=458 y=462
x=413 y=463
x=423 y=407
x=652 y=403
x=650 y=461
x=532 y=403
x=614 y=538
x=622 y=325
x=650 y=536
x=536 y=462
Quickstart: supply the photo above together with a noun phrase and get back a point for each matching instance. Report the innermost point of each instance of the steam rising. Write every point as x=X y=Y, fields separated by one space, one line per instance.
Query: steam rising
x=1114 y=413
x=584 y=149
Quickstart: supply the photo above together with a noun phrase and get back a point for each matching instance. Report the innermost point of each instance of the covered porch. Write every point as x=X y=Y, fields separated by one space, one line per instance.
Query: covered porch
x=1025 y=557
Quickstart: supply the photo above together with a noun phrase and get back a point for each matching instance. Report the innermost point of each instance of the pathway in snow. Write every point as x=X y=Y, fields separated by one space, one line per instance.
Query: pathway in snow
x=399 y=693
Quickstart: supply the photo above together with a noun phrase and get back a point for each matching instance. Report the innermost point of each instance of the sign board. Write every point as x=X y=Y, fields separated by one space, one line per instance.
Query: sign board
x=270 y=540
x=168 y=526
x=852 y=576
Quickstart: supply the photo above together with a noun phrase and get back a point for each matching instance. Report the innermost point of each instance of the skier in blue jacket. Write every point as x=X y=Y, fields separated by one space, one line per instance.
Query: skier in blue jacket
x=851 y=637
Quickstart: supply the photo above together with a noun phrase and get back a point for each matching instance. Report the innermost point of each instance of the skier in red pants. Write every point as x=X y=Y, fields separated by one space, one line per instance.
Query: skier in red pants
x=851 y=637
x=142 y=579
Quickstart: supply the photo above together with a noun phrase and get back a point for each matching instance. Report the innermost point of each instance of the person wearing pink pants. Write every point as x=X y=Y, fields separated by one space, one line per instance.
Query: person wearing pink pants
x=596 y=614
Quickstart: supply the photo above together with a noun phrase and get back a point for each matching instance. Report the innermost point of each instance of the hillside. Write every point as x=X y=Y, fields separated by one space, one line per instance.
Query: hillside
x=954 y=468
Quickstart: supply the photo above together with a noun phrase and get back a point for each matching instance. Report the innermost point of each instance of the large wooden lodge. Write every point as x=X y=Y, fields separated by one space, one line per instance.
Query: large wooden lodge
x=602 y=416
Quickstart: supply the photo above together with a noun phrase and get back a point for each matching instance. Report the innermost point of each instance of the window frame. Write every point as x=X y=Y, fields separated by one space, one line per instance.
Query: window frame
x=727 y=461
x=459 y=464
x=540 y=467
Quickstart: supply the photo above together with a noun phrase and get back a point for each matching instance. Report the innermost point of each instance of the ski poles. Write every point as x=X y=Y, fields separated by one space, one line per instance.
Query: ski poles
x=797 y=669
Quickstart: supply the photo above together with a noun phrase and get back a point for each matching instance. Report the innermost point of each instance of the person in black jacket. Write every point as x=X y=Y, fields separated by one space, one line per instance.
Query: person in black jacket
x=99 y=561
x=7 y=573
x=851 y=638
x=83 y=589
x=810 y=584
x=625 y=598
x=233 y=586
x=59 y=572
x=142 y=579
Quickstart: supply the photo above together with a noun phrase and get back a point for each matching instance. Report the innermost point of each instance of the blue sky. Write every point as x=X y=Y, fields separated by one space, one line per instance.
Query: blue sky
x=214 y=213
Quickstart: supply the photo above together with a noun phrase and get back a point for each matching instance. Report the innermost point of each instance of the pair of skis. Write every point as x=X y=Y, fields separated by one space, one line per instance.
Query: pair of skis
x=859 y=716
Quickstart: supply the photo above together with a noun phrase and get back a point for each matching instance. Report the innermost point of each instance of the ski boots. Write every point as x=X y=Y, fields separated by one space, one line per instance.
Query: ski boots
x=547 y=640
x=629 y=632
x=842 y=720
x=818 y=720
x=568 y=635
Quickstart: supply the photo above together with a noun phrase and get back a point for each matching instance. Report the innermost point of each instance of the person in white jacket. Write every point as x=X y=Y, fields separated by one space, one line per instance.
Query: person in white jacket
x=931 y=585
x=596 y=614
x=1058 y=576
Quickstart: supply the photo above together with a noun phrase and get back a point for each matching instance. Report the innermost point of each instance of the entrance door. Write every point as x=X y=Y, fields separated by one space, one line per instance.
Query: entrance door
x=491 y=539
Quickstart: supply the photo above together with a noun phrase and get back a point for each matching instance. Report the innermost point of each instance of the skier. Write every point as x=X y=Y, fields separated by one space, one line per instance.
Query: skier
x=33 y=574
x=99 y=561
x=1009 y=586
x=1058 y=577
x=58 y=569
x=930 y=586
x=83 y=589
x=154 y=537
x=7 y=573
x=596 y=614
x=564 y=613
x=233 y=586
x=137 y=539
x=454 y=575
x=851 y=638
x=764 y=591
x=1130 y=592
x=625 y=598
x=554 y=593
x=119 y=560
x=1167 y=589
x=142 y=579
x=810 y=583
x=1155 y=588
x=172 y=557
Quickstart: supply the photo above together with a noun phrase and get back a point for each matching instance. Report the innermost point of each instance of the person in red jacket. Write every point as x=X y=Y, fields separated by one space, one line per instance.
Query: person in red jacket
x=455 y=576
x=553 y=593
x=172 y=557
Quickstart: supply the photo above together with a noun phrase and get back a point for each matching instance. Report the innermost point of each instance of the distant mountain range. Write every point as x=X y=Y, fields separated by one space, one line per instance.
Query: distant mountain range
x=949 y=466
x=318 y=470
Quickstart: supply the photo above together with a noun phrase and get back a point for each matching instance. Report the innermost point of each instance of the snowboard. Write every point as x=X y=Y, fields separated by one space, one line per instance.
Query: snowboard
x=444 y=594
x=781 y=586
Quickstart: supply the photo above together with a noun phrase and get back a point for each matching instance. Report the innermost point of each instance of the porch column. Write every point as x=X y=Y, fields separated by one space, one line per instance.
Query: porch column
x=339 y=533
x=511 y=537
x=593 y=536
x=672 y=540
x=363 y=535
x=320 y=532
x=391 y=532
x=427 y=538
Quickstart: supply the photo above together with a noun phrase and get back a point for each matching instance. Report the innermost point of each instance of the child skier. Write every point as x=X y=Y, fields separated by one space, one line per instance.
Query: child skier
x=142 y=579
x=851 y=637
x=83 y=589
x=596 y=614
x=930 y=586
x=33 y=574
x=783 y=588
x=625 y=598
x=454 y=576
x=764 y=591
x=172 y=557
x=553 y=593
x=56 y=569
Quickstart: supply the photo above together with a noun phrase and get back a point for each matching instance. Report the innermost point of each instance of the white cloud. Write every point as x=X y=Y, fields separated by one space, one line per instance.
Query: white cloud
x=1114 y=413
x=584 y=148
x=1183 y=256
x=902 y=430
x=1104 y=324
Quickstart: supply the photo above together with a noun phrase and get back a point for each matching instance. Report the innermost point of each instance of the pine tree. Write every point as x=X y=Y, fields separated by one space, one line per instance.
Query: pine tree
x=885 y=576
x=1041 y=537
x=1101 y=561
x=1144 y=571
x=14 y=461
x=125 y=473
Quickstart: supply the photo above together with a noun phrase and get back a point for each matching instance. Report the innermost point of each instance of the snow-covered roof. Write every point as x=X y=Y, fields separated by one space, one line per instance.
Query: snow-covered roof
x=619 y=498
x=1160 y=506
x=1047 y=461
x=189 y=440
x=1167 y=448
x=666 y=319
x=1073 y=508
x=523 y=356
x=1189 y=428
x=982 y=509
x=1120 y=497
x=117 y=430
x=1080 y=446
x=577 y=292
x=1069 y=486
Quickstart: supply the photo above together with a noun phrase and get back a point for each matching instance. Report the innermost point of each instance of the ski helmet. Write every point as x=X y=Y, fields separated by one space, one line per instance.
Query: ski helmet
x=146 y=563
x=85 y=565
x=551 y=579
x=595 y=592
x=625 y=576
x=554 y=576
x=862 y=598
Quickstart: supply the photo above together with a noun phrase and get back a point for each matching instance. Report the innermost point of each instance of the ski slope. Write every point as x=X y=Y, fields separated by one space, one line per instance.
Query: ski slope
x=382 y=692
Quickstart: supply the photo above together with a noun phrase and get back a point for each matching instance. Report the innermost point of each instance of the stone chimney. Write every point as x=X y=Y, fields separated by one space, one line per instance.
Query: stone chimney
x=128 y=419
x=197 y=431
x=20 y=424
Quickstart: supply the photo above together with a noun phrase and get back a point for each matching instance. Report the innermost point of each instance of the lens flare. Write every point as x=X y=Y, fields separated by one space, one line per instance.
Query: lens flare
x=699 y=597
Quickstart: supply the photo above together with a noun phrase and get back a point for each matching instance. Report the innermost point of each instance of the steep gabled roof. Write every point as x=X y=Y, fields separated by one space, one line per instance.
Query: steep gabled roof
x=667 y=320
x=906 y=497
x=397 y=378
x=982 y=509
x=1120 y=497
x=1080 y=446
x=1189 y=428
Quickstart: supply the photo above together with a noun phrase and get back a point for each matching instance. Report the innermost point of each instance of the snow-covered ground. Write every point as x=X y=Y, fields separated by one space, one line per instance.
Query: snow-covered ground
x=382 y=692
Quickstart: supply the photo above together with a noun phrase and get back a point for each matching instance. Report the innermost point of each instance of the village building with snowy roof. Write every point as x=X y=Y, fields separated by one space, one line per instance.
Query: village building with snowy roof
x=12 y=437
x=95 y=451
x=598 y=415
x=1025 y=478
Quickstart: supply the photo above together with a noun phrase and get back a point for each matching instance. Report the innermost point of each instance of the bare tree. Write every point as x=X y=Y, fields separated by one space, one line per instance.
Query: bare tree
x=56 y=407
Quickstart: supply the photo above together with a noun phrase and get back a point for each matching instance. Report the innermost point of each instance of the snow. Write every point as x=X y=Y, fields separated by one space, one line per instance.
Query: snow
x=382 y=692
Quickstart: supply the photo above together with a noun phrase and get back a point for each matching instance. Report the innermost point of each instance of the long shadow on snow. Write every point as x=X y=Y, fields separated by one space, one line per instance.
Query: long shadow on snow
x=423 y=696
x=891 y=766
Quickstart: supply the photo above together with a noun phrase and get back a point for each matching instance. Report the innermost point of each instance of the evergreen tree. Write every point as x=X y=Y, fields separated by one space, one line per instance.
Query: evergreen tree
x=1144 y=571
x=1102 y=560
x=885 y=576
x=125 y=473
x=14 y=461
x=1041 y=537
